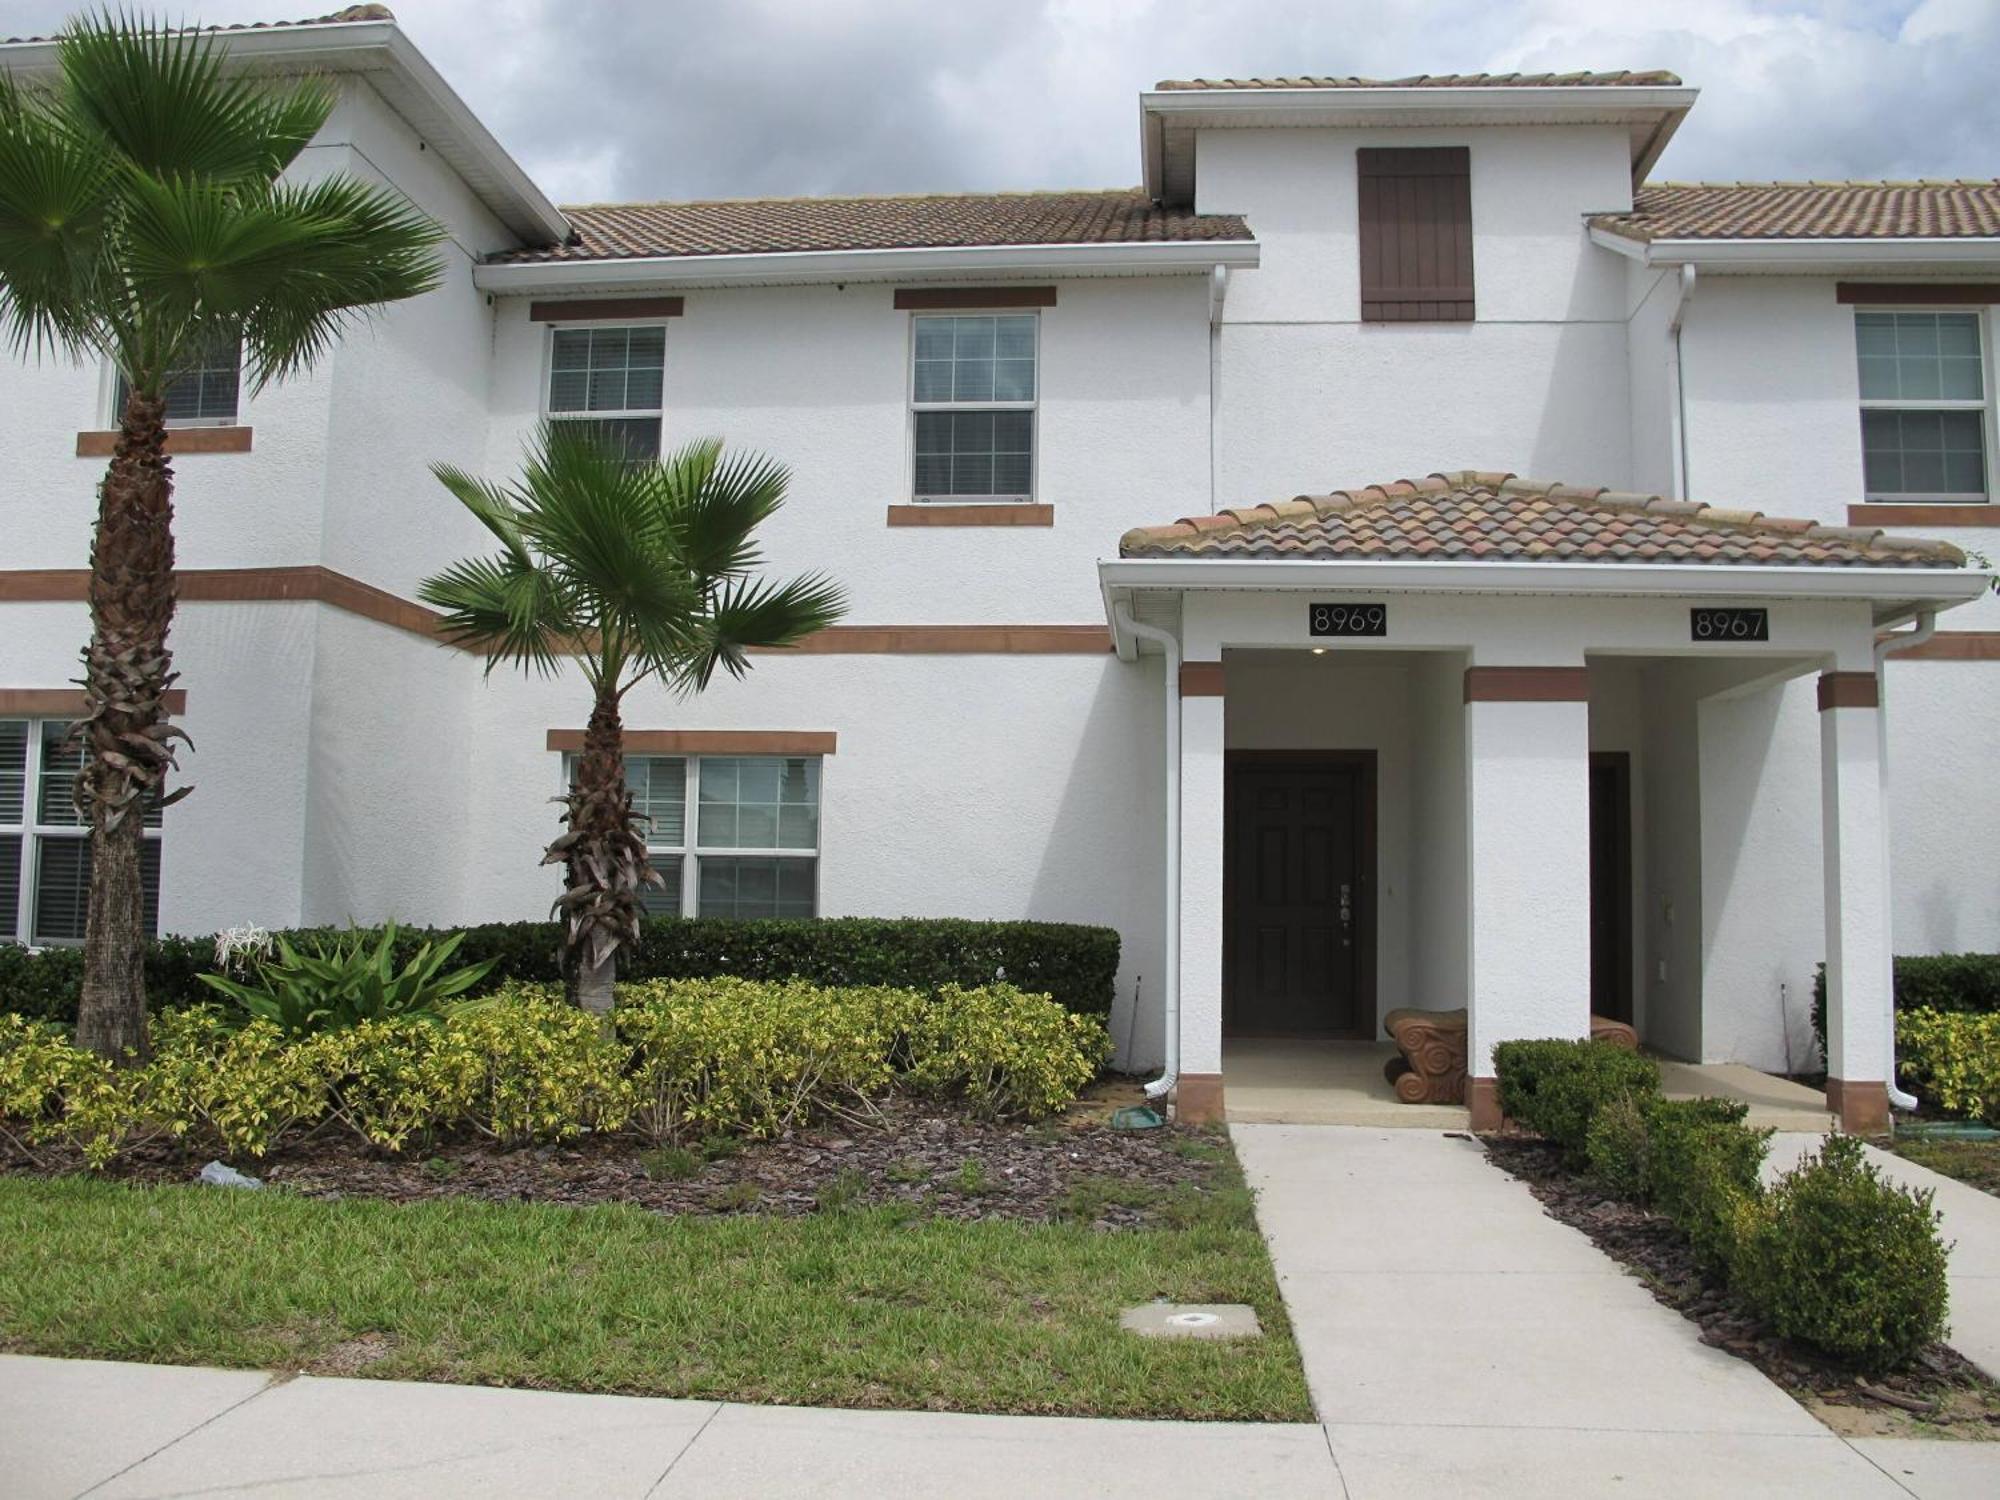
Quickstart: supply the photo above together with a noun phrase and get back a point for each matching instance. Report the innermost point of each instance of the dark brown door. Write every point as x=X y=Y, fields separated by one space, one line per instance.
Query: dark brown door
x=1611 y=885
x=1297 y=945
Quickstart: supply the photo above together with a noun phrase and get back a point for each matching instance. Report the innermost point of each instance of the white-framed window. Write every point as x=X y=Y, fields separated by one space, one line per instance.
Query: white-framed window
x=1926 y=422
x=973 y=383
x=44 y=842
x=751 y=846
x=202 y=393
x=613 y=376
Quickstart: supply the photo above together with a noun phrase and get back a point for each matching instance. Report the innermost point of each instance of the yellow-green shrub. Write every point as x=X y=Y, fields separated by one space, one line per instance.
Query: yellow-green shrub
x=52 y=1092
x=736 y=1055
x=524 y=1066
x=387 y=1081
x=1006 y=1051
x=237 y=1091
x=1953 y=1059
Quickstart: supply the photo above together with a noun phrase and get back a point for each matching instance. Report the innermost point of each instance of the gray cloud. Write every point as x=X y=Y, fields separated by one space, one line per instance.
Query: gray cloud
x=701 y=98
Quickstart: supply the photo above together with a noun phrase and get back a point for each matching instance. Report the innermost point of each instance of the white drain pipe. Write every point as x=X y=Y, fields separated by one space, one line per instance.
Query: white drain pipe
x=1170 y=990
x=1902 y=641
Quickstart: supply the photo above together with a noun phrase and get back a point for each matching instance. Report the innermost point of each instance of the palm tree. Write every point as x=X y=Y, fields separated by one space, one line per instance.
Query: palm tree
x=638 y=570
x=143 y=221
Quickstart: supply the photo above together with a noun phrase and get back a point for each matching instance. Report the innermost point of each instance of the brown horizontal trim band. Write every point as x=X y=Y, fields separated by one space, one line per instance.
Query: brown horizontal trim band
x=1849 y=690
x=709 y=741
x=1954 y=645
x=945 y=298
x=64 y=703
x=1527 y=684
x=1923 y=515
x=1201 y=679
x=1936 y=293
x=180 y=441
x=597 y=309
x=972 y=515
x=324 y=586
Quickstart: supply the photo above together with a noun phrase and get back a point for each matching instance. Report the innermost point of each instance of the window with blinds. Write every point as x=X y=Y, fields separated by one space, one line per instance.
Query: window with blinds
x=972 y=401
x=203 y=392
x=614 y=379
x=45 y=843
x=1416 y=234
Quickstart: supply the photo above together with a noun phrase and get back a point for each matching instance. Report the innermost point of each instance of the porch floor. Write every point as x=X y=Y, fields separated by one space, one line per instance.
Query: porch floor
x=1290 y=1082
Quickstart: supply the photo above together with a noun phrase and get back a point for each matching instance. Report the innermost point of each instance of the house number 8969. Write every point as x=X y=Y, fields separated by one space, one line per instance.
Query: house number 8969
x=1348 y=619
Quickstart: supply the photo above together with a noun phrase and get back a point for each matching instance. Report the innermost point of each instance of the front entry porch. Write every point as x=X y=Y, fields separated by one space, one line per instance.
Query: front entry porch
x=1302 y=1082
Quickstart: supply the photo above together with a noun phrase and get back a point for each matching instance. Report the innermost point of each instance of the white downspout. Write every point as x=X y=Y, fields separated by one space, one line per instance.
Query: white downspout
x=1901 y=641
x=1170 y=989
x=1679 y=414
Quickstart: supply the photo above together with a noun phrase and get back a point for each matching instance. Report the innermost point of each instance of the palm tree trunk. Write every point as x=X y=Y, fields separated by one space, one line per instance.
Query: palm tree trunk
x=127 y=671
x=604 y=860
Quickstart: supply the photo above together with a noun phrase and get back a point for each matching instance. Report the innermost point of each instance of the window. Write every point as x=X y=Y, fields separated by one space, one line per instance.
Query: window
x=614 y=378
x=753 y=850
x=201 y=394
x=44 y=842
x=973 y=406
x=1923 y=405
x=1416 y=234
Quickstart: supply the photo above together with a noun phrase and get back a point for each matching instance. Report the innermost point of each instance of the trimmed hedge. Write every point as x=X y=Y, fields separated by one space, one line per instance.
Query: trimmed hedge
x=1073 y=964
x=1554 y=1088
x=1954 y=983
x=1953 y=1061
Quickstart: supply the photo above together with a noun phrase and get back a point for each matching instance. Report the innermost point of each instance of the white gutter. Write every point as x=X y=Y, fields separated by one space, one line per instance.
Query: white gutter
x=1926 y=627
x=1130 y=258
x=1574 y=102
x=1938 y=587
x=1170 y=990
x=1804 y=254
x=1680 y=410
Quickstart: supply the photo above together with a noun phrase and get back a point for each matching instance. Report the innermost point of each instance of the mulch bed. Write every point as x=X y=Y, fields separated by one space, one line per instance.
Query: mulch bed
x=921 y=1153
x=1944 y=1395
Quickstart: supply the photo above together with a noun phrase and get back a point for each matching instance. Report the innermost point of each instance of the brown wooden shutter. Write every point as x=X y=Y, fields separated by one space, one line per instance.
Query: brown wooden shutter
x=1416 y=234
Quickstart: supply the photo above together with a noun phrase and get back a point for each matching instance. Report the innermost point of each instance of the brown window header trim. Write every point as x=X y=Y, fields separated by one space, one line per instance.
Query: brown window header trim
x=180 y=441
x=1527 y=684
x=64 y=703
x=1923 y=515
x=972 y=515
x=1919 y=293
x=947 y=298
x=1849 y=690
x=599 y=309
x=709 y=741
x=1201 y=679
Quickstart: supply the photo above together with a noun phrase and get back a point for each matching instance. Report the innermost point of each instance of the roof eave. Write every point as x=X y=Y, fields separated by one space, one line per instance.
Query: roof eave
x=1126 y=258
x=1893 y=591
x=383 y=52
x=1959 y=253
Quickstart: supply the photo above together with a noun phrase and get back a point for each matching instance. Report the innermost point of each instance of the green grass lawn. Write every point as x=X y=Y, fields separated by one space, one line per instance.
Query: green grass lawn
x=1975 y=1162
x=866 y=1307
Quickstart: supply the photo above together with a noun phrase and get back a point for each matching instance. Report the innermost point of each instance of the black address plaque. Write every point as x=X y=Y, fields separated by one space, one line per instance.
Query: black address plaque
x=1729 y=624
x=1347 y=619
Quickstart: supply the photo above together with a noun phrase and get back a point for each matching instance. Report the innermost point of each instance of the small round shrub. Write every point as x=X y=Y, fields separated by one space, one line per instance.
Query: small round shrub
x=1554 y=1087
x=1615 y=1146
x=1847 y=1262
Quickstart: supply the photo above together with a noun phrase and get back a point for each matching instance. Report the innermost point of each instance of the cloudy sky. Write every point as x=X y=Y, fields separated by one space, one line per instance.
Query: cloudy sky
x=627 y=99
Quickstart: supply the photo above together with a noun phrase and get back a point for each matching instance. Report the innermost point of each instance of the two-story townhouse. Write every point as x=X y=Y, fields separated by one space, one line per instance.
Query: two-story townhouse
x=1542 y=750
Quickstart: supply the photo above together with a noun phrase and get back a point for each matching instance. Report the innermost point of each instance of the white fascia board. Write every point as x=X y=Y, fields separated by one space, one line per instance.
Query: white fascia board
x=1933 y=587
x=1128 y=258
x=382 y=48
x=1828 y=255
x=1276 y=106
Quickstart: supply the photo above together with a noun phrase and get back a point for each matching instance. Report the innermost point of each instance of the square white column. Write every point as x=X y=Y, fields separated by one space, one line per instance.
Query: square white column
x=1854 y=840
x=1528 y=844
x=1201 y=883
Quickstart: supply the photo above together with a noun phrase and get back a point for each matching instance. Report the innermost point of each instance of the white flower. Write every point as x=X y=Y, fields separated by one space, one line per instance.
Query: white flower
x=236 y=948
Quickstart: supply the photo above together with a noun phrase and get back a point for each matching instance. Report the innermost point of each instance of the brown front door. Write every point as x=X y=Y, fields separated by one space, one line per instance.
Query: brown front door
x=1299 y=927
x=1611 y=885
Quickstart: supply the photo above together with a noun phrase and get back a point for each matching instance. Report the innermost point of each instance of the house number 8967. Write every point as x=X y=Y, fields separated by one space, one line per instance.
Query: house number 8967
x=1347 y=619
x=1729 y=624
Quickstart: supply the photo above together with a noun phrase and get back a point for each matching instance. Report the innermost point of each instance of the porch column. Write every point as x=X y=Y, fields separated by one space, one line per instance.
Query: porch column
x=1854 y=840
x=1528 y=845
x=1198 y=1098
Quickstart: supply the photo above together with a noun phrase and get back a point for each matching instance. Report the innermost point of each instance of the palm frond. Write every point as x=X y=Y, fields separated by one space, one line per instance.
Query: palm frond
x=757 y=612
x=714 y=505
x=55 y=197
x=507 y=610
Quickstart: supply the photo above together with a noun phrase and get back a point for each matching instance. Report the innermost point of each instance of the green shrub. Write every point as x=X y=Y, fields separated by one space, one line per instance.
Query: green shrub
x=1005 y=1051
x=1076 y=965
x=331 y=985
x=1955 y=983
x=1847 y=1262
x=1953 y=1060
x=1702 y=1166
x=1554 y=1087
x=233 y=1088
x=1615 y=1146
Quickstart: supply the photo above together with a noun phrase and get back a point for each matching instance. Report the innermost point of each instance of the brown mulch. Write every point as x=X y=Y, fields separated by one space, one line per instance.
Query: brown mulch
x=1943 y=1395
x=922 y=1153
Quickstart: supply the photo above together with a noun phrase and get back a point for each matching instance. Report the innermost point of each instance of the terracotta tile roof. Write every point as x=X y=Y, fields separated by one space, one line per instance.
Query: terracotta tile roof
x=1480 y=517
x=350 y=13
x=1653 y=78
x=1808 y=210
x=750 y=226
